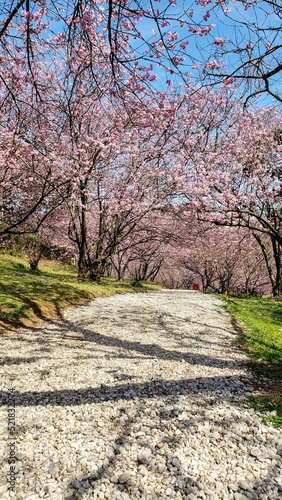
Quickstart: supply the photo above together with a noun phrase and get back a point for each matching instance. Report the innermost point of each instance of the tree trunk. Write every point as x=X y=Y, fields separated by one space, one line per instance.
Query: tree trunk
x=33 y=264
x=96 y=272
x=83 y=271
x=277 y=289
x=275 y=280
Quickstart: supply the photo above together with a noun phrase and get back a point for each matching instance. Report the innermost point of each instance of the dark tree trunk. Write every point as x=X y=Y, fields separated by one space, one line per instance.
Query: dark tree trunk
x=274 y=274
x=83 y=271
x=277 y=289
x=96 y=271
x=33 y=264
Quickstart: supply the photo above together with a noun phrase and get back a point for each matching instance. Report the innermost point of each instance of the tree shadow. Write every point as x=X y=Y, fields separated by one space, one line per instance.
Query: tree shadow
x=17 y=361
x=152 y=350
x=64 y=330
x=160 y=387
x=185 y=482
x=209 y=391
x=29 y=291
x=269 y=484
x=90 y=481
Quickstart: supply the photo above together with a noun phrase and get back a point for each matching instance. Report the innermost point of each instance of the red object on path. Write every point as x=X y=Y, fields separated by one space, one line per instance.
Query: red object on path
x=195 y=286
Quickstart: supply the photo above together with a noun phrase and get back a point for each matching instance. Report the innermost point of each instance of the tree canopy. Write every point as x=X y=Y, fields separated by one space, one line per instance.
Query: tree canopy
x=116 y=117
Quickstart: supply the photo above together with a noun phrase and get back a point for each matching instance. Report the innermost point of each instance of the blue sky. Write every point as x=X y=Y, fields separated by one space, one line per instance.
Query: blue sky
x=199 y=48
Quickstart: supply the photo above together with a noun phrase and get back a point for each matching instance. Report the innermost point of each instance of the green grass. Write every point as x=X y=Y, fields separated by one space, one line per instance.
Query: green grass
x=271 y=406
x=26 y=297
x=260 y=324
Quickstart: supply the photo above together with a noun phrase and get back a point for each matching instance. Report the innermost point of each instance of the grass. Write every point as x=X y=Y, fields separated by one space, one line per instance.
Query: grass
x=261 y=321
x=260 y=325
x=271 y=406
x=27 y=298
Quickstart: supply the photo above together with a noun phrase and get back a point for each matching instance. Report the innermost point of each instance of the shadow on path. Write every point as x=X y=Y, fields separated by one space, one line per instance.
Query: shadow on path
x=152 y=350
x=163 y=388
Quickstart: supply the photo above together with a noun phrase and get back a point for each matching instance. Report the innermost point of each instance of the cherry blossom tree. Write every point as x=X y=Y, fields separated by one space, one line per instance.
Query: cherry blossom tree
x=226 y=40
x=236 y=177
x=31 y=185
x=85 y=128
x=142 y=254
x=247 y=48
x=49 y=241
x=122 y=172
x=225 y=260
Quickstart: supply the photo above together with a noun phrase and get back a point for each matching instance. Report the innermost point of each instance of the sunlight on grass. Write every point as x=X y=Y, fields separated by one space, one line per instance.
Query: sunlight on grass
x=271 y=406
x=261 y=338
x=261 y=322
x=27 y=297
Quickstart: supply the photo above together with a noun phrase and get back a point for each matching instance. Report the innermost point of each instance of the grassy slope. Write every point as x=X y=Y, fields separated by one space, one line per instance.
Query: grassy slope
x=261 y=323
x=262 y=320
x=26 y=298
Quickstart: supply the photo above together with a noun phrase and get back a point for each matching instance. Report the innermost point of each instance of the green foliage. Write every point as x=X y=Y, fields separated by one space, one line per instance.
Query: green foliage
x=136 y=284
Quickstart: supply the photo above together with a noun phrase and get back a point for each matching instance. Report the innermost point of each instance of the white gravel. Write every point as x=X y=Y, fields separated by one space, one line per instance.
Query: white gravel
x=138 y=396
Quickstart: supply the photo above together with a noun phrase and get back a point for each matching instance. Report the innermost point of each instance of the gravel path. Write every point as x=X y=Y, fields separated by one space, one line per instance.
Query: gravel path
x=138 y=396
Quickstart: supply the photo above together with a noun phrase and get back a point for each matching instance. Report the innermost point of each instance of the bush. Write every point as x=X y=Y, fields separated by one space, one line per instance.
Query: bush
x=136 y=284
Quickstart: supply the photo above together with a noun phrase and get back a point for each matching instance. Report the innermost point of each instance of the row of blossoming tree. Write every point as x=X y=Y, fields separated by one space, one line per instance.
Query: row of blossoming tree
x=178 y=184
